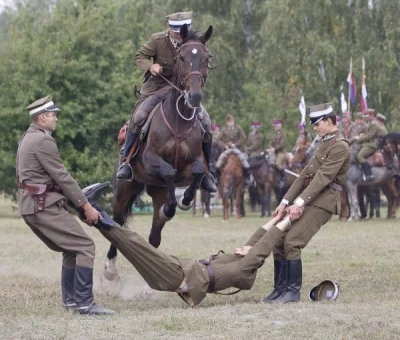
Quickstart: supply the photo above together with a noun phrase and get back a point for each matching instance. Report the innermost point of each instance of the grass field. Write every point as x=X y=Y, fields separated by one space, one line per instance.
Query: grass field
x=362 y=256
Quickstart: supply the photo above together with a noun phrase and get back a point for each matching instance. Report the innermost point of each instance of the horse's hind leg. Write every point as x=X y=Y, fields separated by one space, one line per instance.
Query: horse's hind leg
x=198 y=170
x=159 y=197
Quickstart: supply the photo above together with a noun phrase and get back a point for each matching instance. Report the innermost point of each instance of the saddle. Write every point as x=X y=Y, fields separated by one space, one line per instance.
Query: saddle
x=223 y=156
x=376 y=159
x=255 y=162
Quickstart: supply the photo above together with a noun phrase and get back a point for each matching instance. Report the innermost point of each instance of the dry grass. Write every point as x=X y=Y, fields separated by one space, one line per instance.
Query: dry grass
x=363 y=257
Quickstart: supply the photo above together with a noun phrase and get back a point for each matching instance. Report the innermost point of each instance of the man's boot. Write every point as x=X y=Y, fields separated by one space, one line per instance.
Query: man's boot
x=246 y=175
x=293 y=282
x=125 y=171
x=207 y=183
x=367 y=171
x=280 y=272
x=84 y=294
x=217 y=175
x=67 y=288
x=282 y=173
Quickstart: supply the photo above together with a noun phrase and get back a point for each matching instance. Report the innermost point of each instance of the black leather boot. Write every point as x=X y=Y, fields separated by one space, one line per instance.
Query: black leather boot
x=282 y=173
x=293 y=282
x=280 y=272
x=367 y=171
x=217 y=175
x=207 y=183
x=125 y=171
x=246 y=175
x=67 y=288
x=84 y=295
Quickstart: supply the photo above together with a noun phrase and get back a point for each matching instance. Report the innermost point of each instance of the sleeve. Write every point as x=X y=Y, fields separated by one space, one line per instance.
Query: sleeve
x=327 y=173
x=49 y=157
x=281 y=143
x=145 y=53
x=256 y=237
x=242 y=138
x=296 y=188
x=257 y=143
x=372 y=133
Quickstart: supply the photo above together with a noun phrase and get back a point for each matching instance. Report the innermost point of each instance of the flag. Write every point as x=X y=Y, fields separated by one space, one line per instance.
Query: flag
x=302 y=108
x=364 y=93
x=352 y=85
x=343 y=102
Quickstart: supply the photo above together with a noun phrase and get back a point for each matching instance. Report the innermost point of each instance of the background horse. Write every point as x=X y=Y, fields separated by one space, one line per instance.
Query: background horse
x=231 y=185
x=172 y=154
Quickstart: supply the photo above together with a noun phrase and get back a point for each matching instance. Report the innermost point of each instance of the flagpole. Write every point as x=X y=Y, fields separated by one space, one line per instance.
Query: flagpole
x=348 y=99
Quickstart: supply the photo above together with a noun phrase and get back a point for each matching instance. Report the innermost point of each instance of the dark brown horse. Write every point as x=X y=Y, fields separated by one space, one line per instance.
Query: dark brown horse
x=171 y=156
x=231 y=185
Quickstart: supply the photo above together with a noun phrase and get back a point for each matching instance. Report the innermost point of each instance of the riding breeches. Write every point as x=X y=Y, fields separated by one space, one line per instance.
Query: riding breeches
x=365 y=152
x=280 y=160
x=146 y=104
x=300 y=233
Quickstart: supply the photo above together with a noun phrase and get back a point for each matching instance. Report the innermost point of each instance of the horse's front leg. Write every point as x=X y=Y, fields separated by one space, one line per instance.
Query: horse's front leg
x=198 y=170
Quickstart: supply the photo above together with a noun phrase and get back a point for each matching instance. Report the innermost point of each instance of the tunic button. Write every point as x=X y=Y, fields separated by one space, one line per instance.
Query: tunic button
x=312 y=165
x=313 y=157
x=317 y=148
x=309 y=197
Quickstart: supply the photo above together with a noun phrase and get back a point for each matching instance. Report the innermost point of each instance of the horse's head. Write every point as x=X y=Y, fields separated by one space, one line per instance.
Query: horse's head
x=193 y=64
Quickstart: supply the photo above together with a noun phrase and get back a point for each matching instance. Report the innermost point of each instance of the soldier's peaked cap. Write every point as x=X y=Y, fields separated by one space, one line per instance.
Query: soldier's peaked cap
x=318 y=112
x=41 y=105
x=177 y=20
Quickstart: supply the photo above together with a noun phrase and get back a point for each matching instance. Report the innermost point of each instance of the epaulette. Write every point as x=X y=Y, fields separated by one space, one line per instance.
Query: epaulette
x=160 y=35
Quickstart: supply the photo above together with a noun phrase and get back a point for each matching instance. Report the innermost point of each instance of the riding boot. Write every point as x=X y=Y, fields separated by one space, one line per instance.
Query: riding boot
x=67 y=287
x=84 y=295
x=367 y=171
x=282 y=173
x=280 y=272
x=246 y=175
x=293 y=282
x=207 y=183
x=125 y=171
x=217 y=175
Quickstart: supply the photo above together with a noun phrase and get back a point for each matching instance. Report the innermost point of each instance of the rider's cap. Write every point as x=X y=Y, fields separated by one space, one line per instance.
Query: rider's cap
x=368 y=113
x=326 y=291
x=277 y=122
x=359 y=115
x=229 y=118
x=214 y=127
x=177 y=20
x=256 y=123
x=381 y=117
x=42 y=105
x=318 y=112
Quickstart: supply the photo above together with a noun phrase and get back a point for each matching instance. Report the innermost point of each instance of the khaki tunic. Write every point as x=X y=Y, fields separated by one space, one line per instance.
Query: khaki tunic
x=329 y=163
x=157 y=50
x=39 y=162
x=234 y=135
x=368 y=140
x=254 y=144
x=278 y=142
x=166 y=273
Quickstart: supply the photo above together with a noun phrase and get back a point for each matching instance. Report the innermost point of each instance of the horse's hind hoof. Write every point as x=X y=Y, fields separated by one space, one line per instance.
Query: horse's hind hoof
x=110 y=270
x=164 y=218
x=182 y=206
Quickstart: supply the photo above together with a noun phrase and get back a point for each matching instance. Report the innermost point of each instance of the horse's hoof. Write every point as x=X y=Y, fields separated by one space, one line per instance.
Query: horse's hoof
x=183 y=206
x=206 y=215
x=164 y=218
x=111 y=270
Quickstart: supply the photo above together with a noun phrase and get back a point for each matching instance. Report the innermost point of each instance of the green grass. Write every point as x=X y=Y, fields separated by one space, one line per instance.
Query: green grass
x=362 y=256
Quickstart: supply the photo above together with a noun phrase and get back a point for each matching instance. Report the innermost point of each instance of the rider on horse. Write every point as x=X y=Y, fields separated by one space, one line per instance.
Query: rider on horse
x=347 y=128
x=233 y=137
x=278 y=142
x=156 y=59
x=254 y=143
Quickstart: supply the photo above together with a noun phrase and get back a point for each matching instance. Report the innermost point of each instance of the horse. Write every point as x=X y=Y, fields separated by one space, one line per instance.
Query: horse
x=205 y=201
x=231 y=185
x=383 y=178
x=171 y=154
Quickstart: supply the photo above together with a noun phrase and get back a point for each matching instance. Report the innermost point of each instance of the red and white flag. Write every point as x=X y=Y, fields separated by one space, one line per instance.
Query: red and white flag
x=364 y=92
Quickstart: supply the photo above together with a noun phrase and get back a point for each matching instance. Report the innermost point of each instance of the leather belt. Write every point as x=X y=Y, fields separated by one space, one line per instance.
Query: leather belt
x=38 y=189
x=211 y=275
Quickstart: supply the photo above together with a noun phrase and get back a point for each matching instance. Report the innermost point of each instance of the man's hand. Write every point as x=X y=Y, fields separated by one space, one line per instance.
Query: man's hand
x=295 y=211
x=272 y=150
x=242 y=250
x=92 y=215
x=280 y=210
x=155 y=69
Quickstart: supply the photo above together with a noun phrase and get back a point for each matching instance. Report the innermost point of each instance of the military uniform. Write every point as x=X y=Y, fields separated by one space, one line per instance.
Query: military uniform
x=278 y=142
x=44 y=185
x=232 y=136
x=166 y=273
x=369 y=141
x=317 y=189
x=254 y=144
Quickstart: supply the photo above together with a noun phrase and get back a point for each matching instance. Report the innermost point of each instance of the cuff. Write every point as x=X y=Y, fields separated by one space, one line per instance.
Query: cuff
x=299 y=201
x=285 y=201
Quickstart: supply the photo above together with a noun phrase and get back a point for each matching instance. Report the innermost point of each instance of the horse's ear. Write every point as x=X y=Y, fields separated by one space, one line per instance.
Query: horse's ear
x=184 y=32
x=207 y=34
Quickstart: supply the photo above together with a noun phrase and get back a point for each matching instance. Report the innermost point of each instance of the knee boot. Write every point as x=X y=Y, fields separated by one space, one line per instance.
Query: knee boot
x=207 y=182
x=367 y=171
x=125 y=171
x=282 y=173
x=84 y=293
x=217 y=175
x=67 y=287
x=280 y=272
x=246 y=175
x=293 y=282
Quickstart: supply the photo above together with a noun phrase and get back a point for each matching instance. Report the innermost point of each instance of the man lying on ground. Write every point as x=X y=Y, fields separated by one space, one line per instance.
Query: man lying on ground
x=190 y=278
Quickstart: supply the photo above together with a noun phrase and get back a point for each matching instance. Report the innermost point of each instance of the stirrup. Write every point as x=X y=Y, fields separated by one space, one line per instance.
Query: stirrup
x=130 y=167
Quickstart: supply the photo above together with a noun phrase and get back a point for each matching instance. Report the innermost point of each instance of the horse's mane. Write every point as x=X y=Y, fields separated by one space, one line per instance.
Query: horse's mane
x=232 y=164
